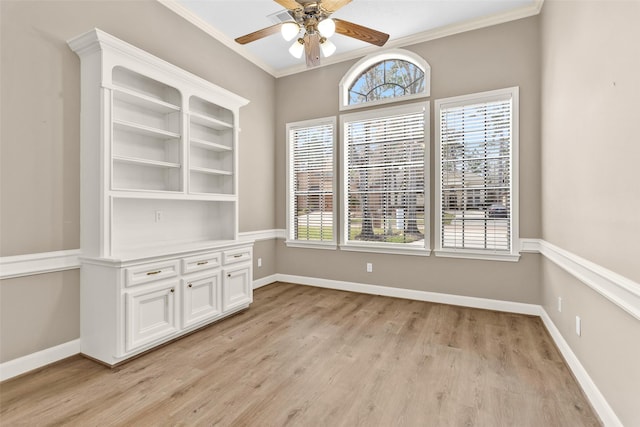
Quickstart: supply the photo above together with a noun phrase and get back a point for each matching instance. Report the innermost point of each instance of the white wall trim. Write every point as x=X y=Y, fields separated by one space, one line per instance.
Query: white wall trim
x=49 y=262
x=44 y=262
x=36 y=360
x=474 y=302
x=262 y=234
x=264 y=281
x=623 y=292
x=597 y=400
x=436 y=33
x=194 y=19
x=530 y=245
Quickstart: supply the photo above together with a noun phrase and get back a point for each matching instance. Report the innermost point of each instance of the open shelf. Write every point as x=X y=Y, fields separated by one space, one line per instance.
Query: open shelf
x=210 y=181
x=170 y=195
x=144 y=101
x=210 y=171
x=133 y=174
x=209 y=114
x=210 y=122
x=144 y=130
x=135 y=228
x=145 y=87
x=145 y=162
x=213 y=146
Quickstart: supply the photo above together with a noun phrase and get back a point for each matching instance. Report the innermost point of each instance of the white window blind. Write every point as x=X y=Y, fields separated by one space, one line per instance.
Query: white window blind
x=385 y=177
x=476 y=143
x=311 y=181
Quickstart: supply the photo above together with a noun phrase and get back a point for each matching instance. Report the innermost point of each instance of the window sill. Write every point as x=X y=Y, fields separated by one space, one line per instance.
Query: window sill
x=310 y=245
x=417 y=251
x=481 y=255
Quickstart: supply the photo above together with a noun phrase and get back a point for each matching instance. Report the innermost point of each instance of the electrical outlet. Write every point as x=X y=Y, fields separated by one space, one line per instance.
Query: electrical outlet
x=369 y=267
x=158 y=216
x=578 y=326
x=560 y=304
x=259 y=262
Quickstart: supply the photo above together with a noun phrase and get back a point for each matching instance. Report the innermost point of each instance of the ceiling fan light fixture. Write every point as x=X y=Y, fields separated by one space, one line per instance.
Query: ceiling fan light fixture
x=327 y=47
x=289 y=30
x=297 y=48
x=327 y=27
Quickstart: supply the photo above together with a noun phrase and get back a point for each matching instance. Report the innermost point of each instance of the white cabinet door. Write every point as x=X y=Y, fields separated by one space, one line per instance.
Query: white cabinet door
x=237 y=287
x=201 y=299
x=151 y=315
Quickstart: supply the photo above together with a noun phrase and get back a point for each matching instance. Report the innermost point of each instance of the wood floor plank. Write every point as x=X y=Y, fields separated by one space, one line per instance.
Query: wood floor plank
x=305 y=356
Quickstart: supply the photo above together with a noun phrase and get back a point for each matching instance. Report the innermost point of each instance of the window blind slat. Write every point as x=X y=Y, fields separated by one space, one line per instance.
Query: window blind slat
x=385 y=165
x=475 y=164
x=311 y=183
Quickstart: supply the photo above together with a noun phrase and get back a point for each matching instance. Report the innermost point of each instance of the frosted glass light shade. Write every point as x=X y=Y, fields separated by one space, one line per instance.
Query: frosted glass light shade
x=327 y=48
x=289 y=30
x=297 y=49
x=327 y=27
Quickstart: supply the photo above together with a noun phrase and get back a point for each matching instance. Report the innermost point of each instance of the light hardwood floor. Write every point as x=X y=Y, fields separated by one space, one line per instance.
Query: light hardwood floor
x=315 y=357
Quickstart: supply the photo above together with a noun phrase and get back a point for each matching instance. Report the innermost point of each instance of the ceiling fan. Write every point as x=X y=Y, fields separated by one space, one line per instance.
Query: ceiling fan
x=311 y=22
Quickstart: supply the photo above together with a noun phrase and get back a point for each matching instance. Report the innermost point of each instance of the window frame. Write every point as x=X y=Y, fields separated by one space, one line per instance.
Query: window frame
x=367 y=62
x=483 y=254
x=390 y=248
x=289 y=240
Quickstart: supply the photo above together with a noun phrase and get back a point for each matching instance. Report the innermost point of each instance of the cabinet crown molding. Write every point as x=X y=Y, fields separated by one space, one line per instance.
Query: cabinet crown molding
x=96 y=40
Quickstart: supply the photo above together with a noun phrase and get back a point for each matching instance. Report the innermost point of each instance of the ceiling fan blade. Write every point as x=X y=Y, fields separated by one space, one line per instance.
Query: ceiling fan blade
x=288 y=4
x=333 y=5
x=359 y=32
x=312 y=49
x=257 y=35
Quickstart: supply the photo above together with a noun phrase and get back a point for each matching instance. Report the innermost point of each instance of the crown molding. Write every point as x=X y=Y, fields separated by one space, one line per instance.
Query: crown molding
x=194 y=19
x=448 y=30
x=436 y=33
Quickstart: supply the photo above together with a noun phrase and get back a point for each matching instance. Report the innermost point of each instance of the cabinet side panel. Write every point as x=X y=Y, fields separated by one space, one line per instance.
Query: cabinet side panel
x=91 y=129
x=99 y=311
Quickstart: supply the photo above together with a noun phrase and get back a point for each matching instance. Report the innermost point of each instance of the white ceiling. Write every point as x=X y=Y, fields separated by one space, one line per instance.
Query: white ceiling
x=406 y=21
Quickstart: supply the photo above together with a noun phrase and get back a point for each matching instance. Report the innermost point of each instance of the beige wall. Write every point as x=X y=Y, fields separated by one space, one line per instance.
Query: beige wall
x=39 y=151
x=590 y=197
x=38 y=312
x=591 y=90
x=266 y=251
x=609 y=345
x=492 y=58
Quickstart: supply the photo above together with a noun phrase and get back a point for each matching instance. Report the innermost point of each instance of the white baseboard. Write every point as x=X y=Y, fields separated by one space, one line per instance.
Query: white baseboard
x=597 y=400
x=488 y=304
x=36 y=360
x=265 y=281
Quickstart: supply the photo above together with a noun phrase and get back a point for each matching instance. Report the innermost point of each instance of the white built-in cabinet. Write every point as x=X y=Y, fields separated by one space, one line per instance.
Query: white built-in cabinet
x=159 y=201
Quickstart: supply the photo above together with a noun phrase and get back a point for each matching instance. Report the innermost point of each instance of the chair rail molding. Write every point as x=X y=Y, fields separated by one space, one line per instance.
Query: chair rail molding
x=38 y=263
x=623 y=292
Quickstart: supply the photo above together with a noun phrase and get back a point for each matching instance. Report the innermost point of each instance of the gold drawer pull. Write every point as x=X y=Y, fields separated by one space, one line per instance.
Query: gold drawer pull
x=151 y=273
x=202 y=263
x=238 y=255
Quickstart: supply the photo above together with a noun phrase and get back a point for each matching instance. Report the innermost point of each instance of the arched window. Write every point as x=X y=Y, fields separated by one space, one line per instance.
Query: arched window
x=382 y=78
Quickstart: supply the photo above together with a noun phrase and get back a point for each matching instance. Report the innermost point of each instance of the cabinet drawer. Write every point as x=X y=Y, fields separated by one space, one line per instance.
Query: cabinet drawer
x=201 y=262
x=150 y=272
x=237 y=255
